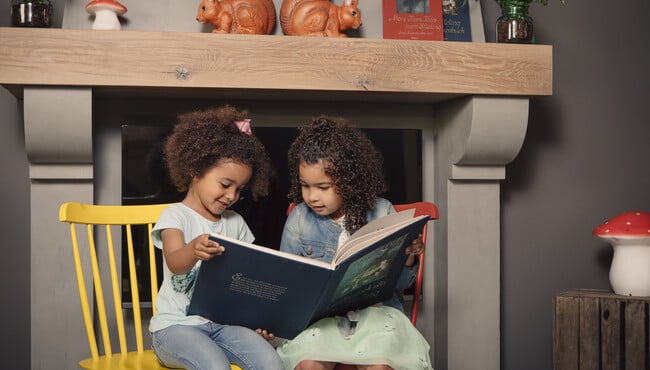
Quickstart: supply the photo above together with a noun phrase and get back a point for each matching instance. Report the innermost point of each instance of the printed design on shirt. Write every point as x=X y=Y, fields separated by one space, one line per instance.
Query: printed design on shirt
x=184 y=283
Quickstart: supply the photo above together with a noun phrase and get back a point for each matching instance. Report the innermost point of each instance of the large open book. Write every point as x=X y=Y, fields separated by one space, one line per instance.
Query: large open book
x=260 y=287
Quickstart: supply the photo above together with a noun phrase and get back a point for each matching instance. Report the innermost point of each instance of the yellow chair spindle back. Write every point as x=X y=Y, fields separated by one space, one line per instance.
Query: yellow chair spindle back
x=124 y=217
x=99 y=292
x=153 y=274
x=112 y=220
x=117 y=298
x=83 y=295
x=135 y=297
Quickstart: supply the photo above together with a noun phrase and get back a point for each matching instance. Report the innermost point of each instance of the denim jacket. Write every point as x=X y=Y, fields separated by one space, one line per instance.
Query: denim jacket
x=310 y=235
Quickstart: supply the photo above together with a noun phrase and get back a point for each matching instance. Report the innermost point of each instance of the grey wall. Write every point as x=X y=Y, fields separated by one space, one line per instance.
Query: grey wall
x=585 y=158
x=14 y=248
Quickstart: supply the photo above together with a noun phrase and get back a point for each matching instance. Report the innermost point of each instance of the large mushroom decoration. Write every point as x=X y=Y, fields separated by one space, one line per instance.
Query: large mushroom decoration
x=106 y=13
x=629 y=235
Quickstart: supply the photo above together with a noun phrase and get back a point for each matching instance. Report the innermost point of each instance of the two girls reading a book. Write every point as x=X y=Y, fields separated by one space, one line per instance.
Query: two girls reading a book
x=211 y=155
x=336 y=177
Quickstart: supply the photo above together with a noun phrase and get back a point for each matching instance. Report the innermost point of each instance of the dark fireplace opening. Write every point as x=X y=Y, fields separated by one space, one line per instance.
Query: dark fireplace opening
x=145 y=181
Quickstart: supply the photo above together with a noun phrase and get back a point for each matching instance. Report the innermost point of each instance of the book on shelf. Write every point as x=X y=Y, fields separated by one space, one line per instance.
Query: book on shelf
x=455 y=15
x=412 y=19
x=261 y=287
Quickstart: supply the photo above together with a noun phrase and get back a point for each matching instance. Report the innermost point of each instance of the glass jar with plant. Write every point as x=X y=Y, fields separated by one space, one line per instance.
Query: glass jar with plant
x=515 y=25
x=31 y=13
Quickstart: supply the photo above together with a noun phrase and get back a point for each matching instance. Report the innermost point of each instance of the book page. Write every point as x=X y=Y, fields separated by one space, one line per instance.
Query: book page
x=356 y=245
x=291 y=256
x=359 y=242
x=382 y=223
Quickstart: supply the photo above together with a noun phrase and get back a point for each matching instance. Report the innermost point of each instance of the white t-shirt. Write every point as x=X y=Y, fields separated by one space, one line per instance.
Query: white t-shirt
x=176 y=290
x=345 y=235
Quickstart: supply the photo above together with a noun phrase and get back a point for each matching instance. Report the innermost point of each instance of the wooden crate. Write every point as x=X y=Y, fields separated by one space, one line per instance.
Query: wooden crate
x=599 y=330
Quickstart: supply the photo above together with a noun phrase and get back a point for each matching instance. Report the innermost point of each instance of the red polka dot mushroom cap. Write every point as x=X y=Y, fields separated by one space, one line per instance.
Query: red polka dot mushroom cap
x=628 y=225
x=96 y=5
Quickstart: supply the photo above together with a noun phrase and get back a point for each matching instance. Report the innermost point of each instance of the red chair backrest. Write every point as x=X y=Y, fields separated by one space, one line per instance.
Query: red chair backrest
x=421 y=208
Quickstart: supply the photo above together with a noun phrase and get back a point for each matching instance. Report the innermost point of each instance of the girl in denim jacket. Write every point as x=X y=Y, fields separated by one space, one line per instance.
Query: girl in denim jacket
x=336 y=177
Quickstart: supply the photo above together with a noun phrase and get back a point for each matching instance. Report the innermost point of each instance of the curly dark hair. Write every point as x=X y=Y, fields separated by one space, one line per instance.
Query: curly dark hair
x=349 y=158
x=201 y=139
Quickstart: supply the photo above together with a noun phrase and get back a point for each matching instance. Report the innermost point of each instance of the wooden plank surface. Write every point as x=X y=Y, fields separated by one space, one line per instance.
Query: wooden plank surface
x=566 y=333
x=589 y=333
x=599 y=293
x=202 y=60
x=635 y=339
x=613 y=332
x=610 y=331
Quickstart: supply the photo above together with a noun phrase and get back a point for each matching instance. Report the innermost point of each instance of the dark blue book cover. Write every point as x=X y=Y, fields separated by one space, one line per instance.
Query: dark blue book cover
x=260 y=287
x=456 y=21
x=253 y=288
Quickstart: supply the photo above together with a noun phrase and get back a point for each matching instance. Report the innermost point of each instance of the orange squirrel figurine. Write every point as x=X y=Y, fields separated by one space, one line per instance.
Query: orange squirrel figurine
x=319 y=17
x=238 y=16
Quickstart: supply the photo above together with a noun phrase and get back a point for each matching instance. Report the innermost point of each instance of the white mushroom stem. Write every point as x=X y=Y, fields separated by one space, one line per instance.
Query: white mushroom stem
x=106 y=19
x=630 y=270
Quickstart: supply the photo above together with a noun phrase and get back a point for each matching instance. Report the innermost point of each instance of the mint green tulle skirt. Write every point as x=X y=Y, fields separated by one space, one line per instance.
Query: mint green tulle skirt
x=382 y=336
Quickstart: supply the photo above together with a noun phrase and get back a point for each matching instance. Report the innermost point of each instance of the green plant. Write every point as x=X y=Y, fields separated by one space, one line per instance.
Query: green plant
x=503 y=3
x=514 y=2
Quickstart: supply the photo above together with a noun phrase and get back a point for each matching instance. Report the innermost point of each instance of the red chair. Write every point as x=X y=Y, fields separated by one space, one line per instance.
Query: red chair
x=421 y=208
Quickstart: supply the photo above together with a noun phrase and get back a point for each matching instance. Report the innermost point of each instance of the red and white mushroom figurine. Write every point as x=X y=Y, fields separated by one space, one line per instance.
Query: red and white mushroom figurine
x=629 y=235
x=106 y=13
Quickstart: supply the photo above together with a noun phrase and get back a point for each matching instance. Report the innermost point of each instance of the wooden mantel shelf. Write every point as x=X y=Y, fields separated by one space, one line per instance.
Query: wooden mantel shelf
x=135 y=61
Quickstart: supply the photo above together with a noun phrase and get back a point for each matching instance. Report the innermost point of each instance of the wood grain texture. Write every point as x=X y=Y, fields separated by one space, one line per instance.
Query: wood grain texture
x=589 y=334
x=134 y=59
x=613 y=331
x=566 y=333
x=635 y=335
x=610 y=333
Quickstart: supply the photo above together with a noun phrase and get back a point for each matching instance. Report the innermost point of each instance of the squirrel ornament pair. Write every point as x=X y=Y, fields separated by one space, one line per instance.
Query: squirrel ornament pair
x=297 y=17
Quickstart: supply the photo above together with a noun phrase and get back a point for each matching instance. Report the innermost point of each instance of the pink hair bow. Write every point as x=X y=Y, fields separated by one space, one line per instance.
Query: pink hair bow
x=244 y=126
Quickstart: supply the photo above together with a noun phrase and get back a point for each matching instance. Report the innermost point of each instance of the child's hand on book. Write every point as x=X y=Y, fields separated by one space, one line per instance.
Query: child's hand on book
x=413 y=250
x=204 y=248
x=266 y=335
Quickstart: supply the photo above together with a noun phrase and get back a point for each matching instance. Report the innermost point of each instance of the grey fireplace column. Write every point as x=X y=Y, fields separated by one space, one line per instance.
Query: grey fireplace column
x=466 y=147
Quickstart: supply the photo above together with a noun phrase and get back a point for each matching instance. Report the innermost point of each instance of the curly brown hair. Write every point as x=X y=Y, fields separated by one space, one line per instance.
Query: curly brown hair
x=201 y=139
x=349 y=158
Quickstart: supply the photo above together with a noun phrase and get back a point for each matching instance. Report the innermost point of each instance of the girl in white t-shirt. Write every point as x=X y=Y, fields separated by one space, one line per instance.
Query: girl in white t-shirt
x=212 y=156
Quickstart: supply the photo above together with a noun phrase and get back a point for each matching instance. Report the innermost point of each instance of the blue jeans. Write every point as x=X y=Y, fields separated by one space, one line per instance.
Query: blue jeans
x=214 y=346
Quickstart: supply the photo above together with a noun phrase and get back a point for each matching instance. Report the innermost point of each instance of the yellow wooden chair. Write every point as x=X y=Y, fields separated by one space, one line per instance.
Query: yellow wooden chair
x=109 y=218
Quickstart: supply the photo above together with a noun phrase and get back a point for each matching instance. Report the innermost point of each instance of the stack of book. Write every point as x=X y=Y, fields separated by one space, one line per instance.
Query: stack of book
x=435 y=20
